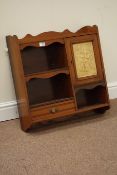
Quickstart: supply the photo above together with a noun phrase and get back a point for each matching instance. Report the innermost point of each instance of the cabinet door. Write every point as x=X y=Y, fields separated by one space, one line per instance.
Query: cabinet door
x=86 y=63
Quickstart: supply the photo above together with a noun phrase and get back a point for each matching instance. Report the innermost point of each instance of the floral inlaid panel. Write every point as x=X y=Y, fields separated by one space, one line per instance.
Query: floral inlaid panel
x=84 y=59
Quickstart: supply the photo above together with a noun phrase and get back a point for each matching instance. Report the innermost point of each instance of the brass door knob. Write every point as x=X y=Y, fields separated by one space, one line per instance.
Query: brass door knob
x=53 y=110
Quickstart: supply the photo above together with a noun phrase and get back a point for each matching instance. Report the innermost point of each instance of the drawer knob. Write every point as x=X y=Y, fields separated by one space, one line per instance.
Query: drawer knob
x=53 y=110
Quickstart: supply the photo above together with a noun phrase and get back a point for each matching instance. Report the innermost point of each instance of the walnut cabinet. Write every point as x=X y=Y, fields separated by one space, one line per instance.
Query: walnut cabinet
x=58 y=74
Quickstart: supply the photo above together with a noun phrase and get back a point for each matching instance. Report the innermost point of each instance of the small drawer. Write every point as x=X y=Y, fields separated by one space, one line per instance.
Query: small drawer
x=53 y=110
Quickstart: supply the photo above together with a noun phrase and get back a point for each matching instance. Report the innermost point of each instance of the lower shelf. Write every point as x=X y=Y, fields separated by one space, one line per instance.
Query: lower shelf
x=51 y=102
x=46 y=90
x=91 y=97
x=93 y=107
x=61 y=109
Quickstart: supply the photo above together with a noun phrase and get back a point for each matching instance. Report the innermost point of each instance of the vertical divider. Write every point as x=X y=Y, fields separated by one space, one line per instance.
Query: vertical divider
x=69 y=59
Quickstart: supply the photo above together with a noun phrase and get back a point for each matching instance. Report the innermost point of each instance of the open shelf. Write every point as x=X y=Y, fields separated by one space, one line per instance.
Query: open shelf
x=40 y=59
x=52 y=102
x=87 y=98
x=48 y=90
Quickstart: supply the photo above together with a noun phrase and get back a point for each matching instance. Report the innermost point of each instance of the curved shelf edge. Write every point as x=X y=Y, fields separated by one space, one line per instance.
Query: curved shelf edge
x=37 y=44
x=47 y=74
x=90 y=86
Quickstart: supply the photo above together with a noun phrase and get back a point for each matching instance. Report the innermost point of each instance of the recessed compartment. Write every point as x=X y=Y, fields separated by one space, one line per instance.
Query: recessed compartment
x=91 y=96
x=49 y=90
x=40 y=59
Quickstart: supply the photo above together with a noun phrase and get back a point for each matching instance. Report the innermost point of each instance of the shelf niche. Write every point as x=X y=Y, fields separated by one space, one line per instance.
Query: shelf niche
x=40 y=59
x=90 y=97
x=42 y=91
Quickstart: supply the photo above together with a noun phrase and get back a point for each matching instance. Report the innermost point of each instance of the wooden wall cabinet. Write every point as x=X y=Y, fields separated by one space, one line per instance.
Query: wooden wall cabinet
x=58 y=74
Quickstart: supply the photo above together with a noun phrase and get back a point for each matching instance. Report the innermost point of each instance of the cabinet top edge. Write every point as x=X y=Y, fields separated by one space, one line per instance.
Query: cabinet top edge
x=53 y=35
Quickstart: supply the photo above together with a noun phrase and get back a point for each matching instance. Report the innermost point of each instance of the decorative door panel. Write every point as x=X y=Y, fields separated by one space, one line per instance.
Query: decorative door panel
x=86 y=61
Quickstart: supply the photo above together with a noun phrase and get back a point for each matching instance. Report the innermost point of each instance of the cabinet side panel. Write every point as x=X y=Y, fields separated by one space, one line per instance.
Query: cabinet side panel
x=102 y=62
x=19 y=81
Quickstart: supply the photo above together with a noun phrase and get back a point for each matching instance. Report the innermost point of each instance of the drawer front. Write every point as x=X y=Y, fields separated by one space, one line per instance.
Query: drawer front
x=53 y=111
